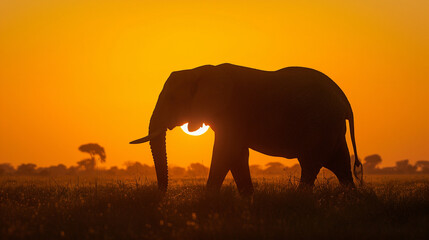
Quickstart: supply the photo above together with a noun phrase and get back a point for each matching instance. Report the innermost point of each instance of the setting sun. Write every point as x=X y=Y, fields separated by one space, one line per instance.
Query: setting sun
x=199 y=132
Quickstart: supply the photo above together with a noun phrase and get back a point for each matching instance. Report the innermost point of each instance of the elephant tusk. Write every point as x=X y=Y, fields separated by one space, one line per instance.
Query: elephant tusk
x=147 y=138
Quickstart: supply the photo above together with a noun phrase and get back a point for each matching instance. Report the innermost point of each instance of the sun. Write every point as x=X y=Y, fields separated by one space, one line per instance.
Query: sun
x=198 y=132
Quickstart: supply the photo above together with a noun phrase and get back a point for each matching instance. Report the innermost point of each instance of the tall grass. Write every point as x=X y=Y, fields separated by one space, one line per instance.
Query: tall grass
x=112 y=208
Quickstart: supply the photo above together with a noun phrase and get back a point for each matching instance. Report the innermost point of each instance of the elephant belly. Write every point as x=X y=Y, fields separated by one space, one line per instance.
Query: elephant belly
x=291 y=137
x=275 y=151
x=279 y=144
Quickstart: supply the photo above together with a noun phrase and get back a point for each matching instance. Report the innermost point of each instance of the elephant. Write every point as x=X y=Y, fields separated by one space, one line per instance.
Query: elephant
x=294 y=112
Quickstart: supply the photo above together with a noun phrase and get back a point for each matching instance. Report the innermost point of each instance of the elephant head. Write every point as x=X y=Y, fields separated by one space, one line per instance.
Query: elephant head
x=193 y=96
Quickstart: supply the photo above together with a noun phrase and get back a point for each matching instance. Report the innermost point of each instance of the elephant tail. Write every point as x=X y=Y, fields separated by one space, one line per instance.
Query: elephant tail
x=357 y=167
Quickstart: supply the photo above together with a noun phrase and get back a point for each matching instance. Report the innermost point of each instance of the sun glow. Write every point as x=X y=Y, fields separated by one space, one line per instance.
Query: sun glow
x=198 y=132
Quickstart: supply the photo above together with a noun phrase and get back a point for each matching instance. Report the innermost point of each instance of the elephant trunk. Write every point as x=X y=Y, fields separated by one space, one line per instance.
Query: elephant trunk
x=158 y=148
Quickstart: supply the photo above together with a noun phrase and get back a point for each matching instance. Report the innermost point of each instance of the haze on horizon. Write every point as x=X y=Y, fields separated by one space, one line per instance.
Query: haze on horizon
x=74 y=72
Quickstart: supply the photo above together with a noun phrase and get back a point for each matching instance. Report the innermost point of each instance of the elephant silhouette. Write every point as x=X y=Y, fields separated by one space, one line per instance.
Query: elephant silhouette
x=294 y=112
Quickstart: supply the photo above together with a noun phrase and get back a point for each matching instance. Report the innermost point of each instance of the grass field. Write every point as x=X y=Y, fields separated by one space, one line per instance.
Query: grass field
x=132 y=208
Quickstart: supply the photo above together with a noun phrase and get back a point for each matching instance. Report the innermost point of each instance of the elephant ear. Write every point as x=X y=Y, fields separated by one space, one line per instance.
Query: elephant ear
x=212 y=95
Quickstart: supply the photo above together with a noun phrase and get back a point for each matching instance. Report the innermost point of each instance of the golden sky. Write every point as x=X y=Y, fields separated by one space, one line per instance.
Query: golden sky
x=80 y=71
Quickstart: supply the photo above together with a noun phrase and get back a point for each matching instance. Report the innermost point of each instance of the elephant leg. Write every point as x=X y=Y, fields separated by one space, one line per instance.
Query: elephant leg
x=241 y=173
x=220 y=164
x=229 y=154
x=309 y=170
x=339 y=164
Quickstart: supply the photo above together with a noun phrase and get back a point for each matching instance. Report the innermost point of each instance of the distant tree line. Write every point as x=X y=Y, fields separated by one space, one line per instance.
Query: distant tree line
x=131 y=169
x=97 y=154
x=372 y=162
x=135 y=168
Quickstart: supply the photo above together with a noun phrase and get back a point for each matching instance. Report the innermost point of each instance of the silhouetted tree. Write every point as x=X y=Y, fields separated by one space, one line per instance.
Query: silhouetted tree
x=274 y=168
x=116 y=171
x=58 y=170
x=371 y=162
x=177 y=171
x=6 y=169
x=26 y=169
x=43 y=171
x=404 y=167
x=422 y=166
x=140 y=169
x=197 y=170
x=87 y=164
x=72 y=170
x=94 y=150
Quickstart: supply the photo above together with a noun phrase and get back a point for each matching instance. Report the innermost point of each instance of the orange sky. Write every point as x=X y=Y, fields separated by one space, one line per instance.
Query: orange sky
x=80 y=71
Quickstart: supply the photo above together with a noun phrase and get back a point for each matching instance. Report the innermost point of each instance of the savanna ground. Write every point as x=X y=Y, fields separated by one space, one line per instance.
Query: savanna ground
x=131 y=208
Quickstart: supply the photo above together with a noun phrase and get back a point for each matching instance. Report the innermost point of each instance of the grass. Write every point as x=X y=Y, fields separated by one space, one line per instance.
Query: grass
x=112 y=208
